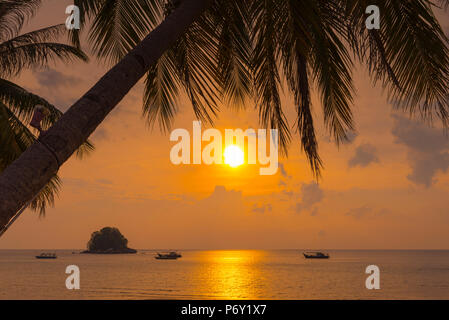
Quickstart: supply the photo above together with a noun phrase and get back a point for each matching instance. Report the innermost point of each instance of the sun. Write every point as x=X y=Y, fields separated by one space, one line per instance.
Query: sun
x=233 y=156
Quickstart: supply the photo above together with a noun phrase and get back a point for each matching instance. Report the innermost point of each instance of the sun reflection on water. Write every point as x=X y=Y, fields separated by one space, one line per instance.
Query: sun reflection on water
x=231 y=274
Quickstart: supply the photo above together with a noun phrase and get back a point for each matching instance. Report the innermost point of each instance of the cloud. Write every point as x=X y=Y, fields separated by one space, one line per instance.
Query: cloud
x=427 y=149
x=360 y=212
x=223 y=196
x=311 y=194
x=287 y=193
x=100 y=134
x=282 y=183
x=262 y=208
x=285 y=176
x=367 y=212
x=75 y=182
x=365 y=154
x=283 y=171
x=55 y=79
x=299 y=207
x=351 y=136
x=91 y=188
x=104 y=181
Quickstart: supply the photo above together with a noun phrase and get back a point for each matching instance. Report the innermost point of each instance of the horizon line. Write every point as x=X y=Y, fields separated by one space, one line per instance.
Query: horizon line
x=248 y=249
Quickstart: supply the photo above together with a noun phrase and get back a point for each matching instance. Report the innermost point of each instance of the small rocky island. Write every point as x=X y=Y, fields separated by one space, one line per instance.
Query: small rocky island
x=108 y=241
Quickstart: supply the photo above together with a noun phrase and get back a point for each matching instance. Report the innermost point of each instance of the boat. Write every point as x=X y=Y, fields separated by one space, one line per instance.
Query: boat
x=168 y=256
x=315 y=255
x=46 y=256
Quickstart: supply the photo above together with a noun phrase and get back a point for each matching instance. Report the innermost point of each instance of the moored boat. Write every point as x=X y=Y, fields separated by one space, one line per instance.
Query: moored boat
x=46 y=256
x=315 y=255
x=168 y=256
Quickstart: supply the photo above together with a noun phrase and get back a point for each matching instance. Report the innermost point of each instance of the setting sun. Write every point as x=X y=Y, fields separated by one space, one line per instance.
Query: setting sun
x=233 y=156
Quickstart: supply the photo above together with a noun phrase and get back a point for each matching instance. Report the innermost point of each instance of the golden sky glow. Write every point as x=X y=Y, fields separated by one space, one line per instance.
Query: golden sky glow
x=381 y=190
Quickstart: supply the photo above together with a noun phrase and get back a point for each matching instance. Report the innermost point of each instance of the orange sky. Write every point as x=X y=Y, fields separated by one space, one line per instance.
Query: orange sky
x=388 y=188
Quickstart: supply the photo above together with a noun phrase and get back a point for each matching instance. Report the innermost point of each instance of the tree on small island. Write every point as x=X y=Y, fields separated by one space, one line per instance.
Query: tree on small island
x=108 y=240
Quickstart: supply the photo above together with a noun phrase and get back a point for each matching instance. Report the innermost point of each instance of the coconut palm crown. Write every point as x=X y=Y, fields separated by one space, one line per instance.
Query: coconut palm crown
x=250 y=49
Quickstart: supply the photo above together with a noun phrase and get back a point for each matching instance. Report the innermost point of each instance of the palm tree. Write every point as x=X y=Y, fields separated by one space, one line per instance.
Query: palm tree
x=17 y=52
x=231 y=50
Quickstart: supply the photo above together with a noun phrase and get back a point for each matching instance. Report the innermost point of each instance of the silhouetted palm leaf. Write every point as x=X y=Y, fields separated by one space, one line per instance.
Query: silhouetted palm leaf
x=33 y=49
x=15 y=138
x=13 y=14
x=22 y=103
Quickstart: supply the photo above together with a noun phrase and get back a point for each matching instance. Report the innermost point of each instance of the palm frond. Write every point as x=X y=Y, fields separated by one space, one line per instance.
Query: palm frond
x=41 y=35
x=195 y=59
x=331 y=65
x=409 y=54
x=295 y=46
x=13 y=14
x=16 y=57
x=161 y=91
x=88 y=9
x=417 y=48
x=47 y=196
x=267 y=81
x=15 y=138
x=120 y=25
x=442 y=4
x=231 y=20
x=22 y=102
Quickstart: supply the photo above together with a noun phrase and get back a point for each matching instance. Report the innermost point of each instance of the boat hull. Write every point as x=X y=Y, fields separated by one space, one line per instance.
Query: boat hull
x=39 y=257
x=168 y=256
x=315 y=257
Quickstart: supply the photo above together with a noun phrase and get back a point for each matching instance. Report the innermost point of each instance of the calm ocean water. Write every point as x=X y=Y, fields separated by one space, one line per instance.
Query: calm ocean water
x=226 y=274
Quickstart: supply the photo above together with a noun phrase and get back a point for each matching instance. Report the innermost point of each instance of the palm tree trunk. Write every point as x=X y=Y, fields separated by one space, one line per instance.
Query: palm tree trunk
x=23 y=179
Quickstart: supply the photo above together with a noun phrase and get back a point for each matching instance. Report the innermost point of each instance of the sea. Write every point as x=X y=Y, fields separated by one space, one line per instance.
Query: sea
x=227 y=274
